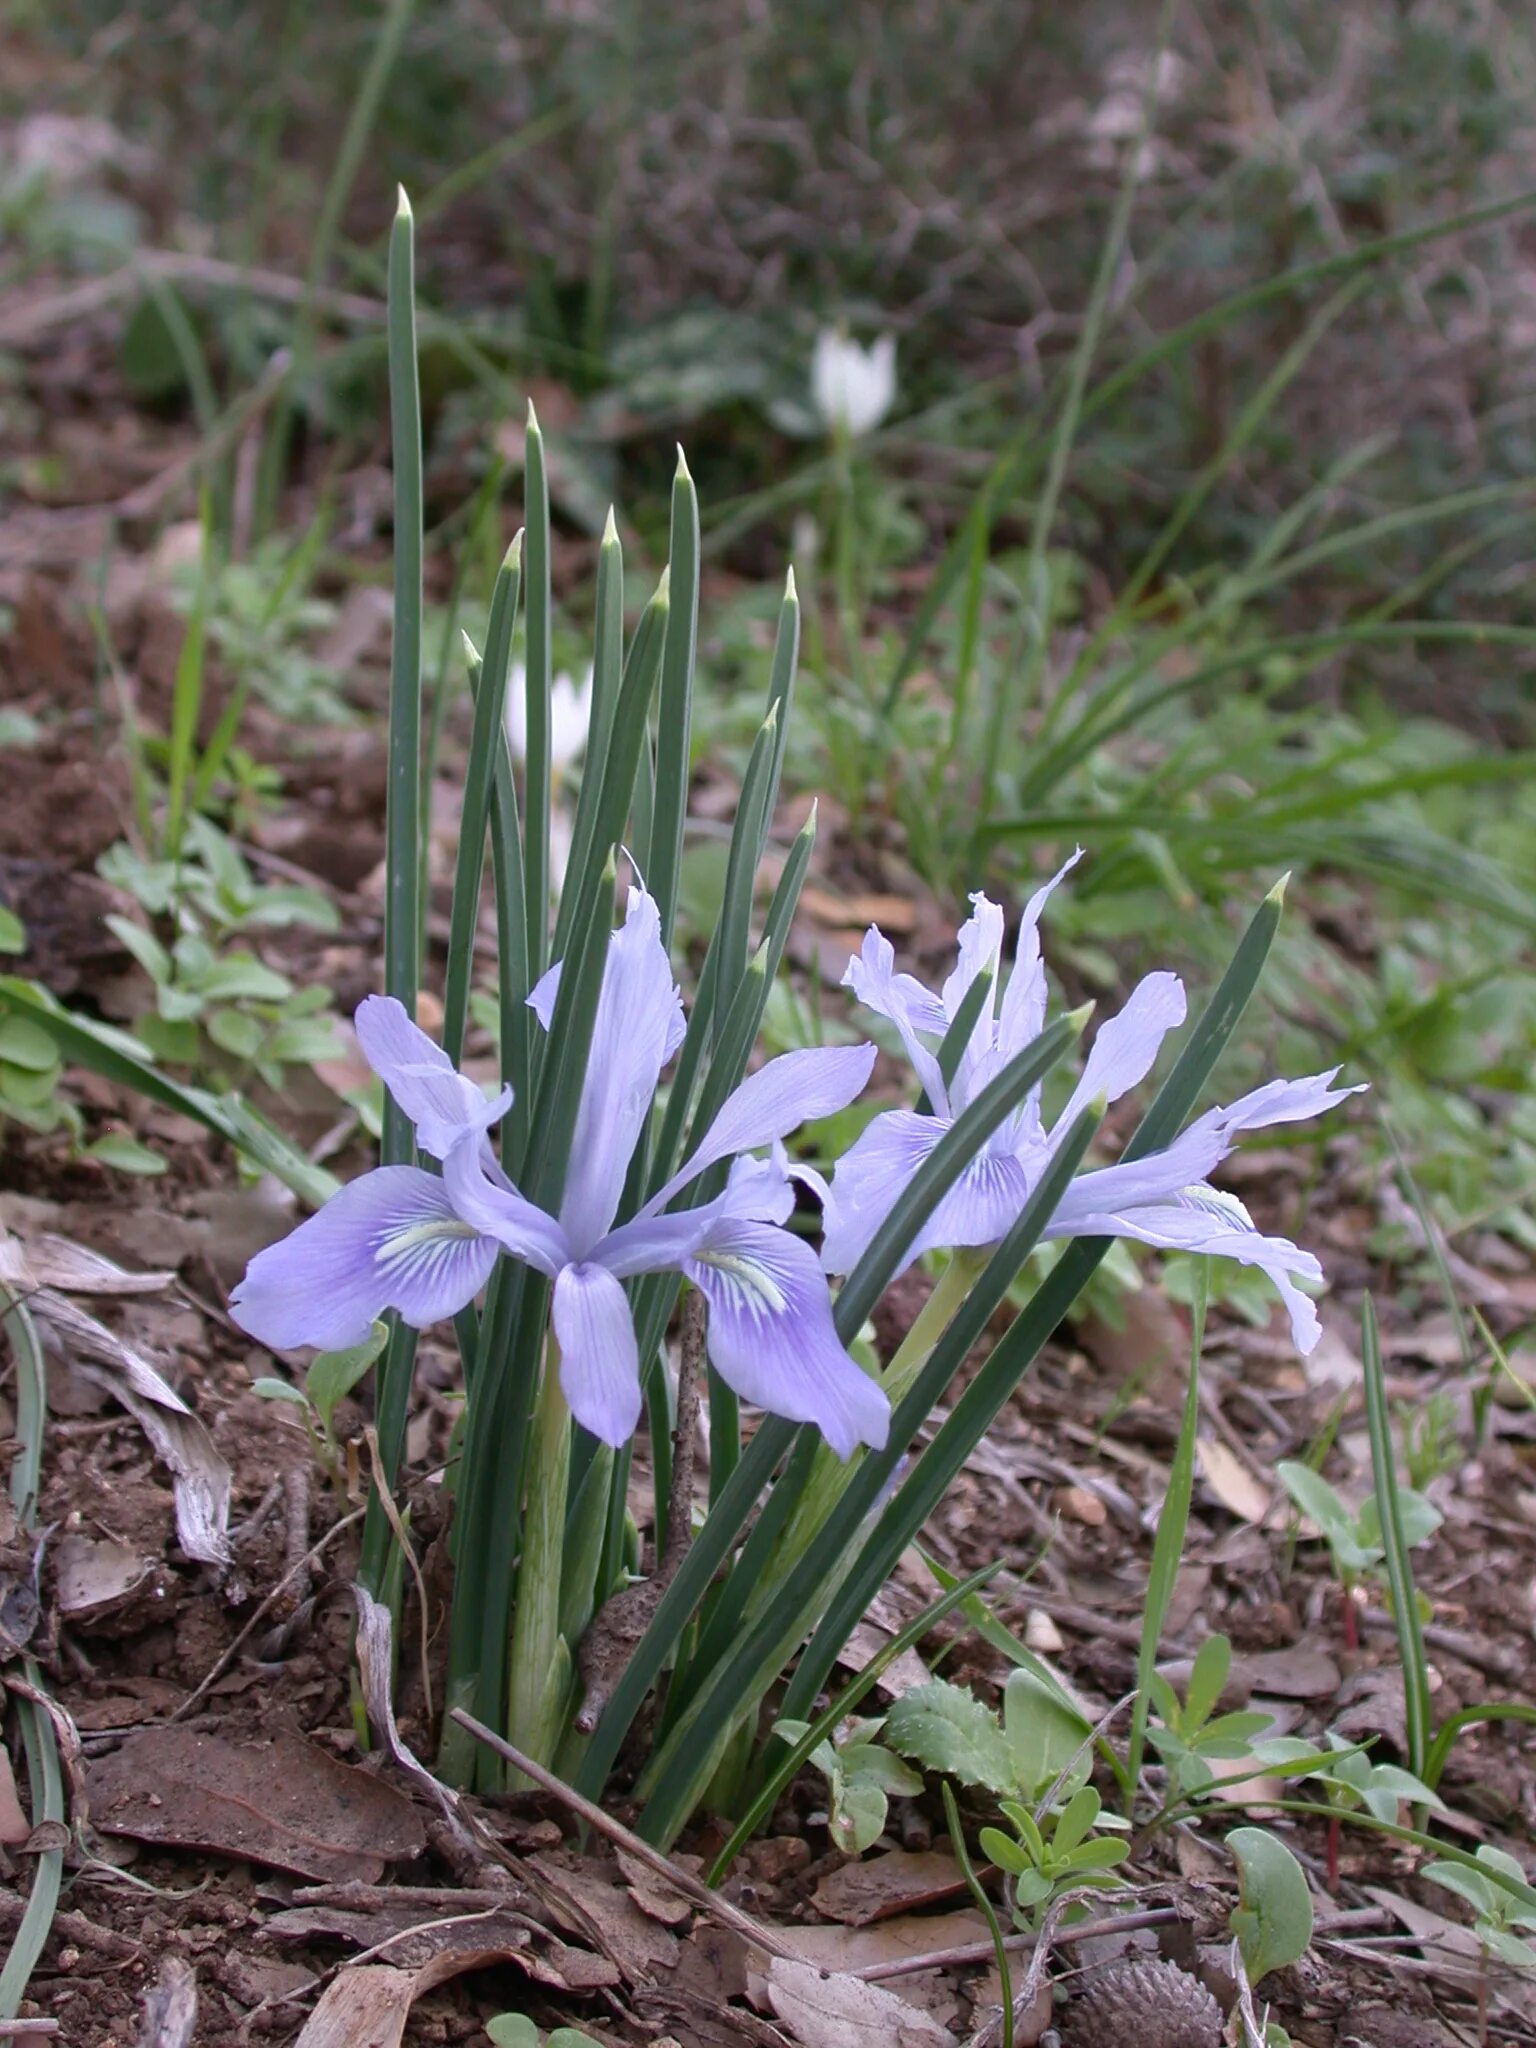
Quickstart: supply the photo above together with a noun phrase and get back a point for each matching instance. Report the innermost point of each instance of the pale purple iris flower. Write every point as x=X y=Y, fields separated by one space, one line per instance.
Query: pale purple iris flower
x=1163 y=1200
x=423 y=1244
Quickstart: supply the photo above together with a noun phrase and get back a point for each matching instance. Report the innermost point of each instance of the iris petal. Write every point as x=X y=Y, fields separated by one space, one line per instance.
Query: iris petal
x=911 y=1008
x=496 y=1208
x=639 y=1021
x=771 y=1335
x=442 y=1103
x=758 y=1190
x=390 y=1239
x=794 y=1089
x=979 y=1208
x=599 y=1359
x=1126 y=1046
x=1205 y=1220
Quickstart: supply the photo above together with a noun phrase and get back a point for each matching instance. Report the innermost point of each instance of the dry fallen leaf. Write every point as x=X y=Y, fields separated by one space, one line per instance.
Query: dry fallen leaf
x=95 y=1578
x=1231 y=1481
x=200 y=1476
x=825 y=2010
x=283 y=1802
x=858 y=1893
x=589 y=1903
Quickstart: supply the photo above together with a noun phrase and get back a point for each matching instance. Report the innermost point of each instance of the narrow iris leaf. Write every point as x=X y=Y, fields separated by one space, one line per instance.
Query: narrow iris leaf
x=485 y=748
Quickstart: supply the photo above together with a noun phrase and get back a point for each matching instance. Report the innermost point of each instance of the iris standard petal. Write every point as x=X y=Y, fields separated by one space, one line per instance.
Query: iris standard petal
x=980 y=943
x=599 y=1359
x=794 y=1089
x=758 y=1190
x=489 y=1202
x=1204 y=1219
x=1126 y=1046
x=981 y=1206
x=872 y=976
x=442 y=1103
x=390 y=1239
x=638 y=1012
x=1021 y=1018
x=771 y=1335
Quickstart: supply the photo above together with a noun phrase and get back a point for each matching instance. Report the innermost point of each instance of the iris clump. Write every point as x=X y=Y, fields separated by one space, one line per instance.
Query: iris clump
x=424 y=1244
x=633 y=1152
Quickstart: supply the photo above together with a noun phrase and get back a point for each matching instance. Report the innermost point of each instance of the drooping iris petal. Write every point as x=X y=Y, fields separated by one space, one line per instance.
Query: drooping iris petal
x=979 y=1208
x=1205 y=1220
x=599 y=1359
x=1280 y=1102
x=758 y=1190
x=639 y=1018
x=390 y=1239
x=794 y=1089
x=771 y=1335
x=1159 y=1177
x=911 y=1008
x=1126 y=1045
x=442 y=1103
x=496 y=1208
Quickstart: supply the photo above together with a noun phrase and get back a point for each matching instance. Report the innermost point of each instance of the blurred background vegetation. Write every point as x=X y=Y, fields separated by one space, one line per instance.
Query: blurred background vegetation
x=1199 y=531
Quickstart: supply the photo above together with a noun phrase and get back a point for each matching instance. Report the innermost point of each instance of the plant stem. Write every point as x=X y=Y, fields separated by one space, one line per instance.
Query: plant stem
x=829 y=1475
x=540 y=1658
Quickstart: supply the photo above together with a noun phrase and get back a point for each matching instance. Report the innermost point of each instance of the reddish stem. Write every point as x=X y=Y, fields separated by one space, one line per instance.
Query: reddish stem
x=1335 y=1828
x=1351 y=1620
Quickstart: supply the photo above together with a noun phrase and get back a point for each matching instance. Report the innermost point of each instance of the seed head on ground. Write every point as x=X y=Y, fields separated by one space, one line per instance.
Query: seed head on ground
x=1142 y=2005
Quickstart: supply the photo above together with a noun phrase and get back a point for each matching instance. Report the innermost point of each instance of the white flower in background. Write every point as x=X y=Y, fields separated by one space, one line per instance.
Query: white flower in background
x=853 y=387
x=570 y=713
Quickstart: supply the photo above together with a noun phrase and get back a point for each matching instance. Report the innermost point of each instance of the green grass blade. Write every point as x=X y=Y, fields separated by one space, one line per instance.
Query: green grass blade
x=1249 y=421
x=486 y=748
x=1019 y=460
x=674 y=733
x=1398 y=1562
x=1069 y=415
x=733 y=930
x=536 y=764
x=402 y=848
x=607 y=678
x=1489 y=1712
x=402 y=905
x=1168 y=1544
x=186 y=703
